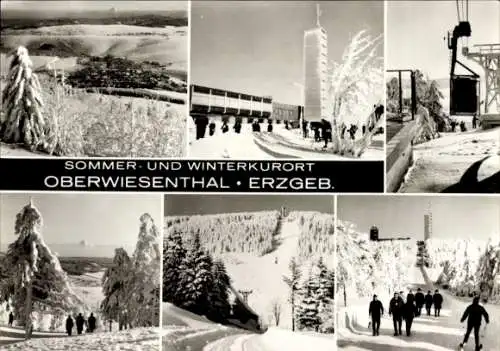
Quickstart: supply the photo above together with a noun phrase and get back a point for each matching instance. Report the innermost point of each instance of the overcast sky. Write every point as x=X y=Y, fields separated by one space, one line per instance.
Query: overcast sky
x=179 y=205
x=93 y=5
x=256 y=46
x=452 y=216
x=416 y=32
x=99 y=219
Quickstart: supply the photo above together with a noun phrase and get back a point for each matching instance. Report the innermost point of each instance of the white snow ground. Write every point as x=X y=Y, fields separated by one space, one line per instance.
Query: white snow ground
x=441 y=162
x=245 y=145
x=428 y=333
x=144 y=339
x=263 y=276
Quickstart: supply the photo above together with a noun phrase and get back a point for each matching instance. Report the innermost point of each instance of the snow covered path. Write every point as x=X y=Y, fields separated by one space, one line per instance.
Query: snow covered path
x=428 y=332
x=144 y=339
x=275 y=339
x=10 y=335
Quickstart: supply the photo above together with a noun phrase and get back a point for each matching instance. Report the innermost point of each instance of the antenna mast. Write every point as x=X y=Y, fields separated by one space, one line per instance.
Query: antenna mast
x=318 y=14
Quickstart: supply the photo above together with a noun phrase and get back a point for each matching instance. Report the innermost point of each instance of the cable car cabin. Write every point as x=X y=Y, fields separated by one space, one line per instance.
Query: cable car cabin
x=209 y=101
x=464 y=95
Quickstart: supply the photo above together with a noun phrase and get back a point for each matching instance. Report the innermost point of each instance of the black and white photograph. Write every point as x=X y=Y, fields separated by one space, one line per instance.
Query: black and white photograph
x=418 y=272
x=443 y=96
x=248 y=272
x=287 y=80
x=94 y=78
x=80 y=272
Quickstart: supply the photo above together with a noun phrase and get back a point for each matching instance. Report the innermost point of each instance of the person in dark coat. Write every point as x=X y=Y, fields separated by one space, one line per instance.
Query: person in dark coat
x=409 y=312
x=80 y=321
x=11 y=319
x=225 y=127
x=437 y=300
x=419 y=301
x=375 y=311
x=69 y=325
x=237 y=126
x=410 y=297
x=474 y=121
x=211 y=128
x=396 y=311
x=92 y=323
x=428 y=302
x=270 y=126
x=474 y=314
x=316 y=133
x=201 y=126
x=305 y=130
x=401 y=294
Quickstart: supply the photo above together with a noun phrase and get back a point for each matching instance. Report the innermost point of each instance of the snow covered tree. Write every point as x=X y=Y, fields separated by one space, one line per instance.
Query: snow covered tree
x=23 y=122
x=173 y=255
x=144 y=284
x=325 y=281
x=308 y=308
x=114 y=287
x=196 y=278
x=219 y=307
x=36 y=281
x=489 y=269
x=293 y=282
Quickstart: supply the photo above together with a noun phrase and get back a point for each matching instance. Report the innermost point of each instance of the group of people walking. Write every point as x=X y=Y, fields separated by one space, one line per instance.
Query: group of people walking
x=81 y=323
x=407 y=310
x=401 y=309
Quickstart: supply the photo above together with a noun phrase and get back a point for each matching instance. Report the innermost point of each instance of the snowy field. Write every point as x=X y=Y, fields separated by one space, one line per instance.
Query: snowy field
x=442 y=162
x=143 y=339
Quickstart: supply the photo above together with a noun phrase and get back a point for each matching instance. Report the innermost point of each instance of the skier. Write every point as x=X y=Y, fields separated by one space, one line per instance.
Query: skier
x=428 y=302
x=419 y=301
x=80 y=321
x=409 y=312
x=11 y=319
x=474 y=121
x=396 y=309
x=92 y=323
x=304 y=129
x=69 y=325
x=474 y=314
x=437 y=299
x=375 y=311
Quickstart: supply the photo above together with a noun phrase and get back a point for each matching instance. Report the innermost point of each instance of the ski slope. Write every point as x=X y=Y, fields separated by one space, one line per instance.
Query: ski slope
x=264 y=275
x=428 y=332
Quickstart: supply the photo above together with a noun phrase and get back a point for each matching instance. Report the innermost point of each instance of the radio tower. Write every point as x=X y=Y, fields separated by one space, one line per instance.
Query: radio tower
x=428 y=222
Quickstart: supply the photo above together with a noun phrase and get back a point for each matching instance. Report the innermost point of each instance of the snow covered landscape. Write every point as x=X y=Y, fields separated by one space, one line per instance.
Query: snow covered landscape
x=55 y=302
x=273 y=272
x=458 y=267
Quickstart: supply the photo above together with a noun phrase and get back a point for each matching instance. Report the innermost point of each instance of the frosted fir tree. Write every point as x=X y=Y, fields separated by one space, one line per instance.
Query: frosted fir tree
x=144 y=285
x=293 y=282
x=325 y=284
x=173 y=255
x=196 y=278
x=218 y=297
x=115 y=287
x=23 y=122
x=488 y=272
x=308 y=308
x=36 y=282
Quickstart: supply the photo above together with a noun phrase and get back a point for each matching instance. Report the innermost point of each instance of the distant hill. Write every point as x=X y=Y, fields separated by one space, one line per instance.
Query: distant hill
x=14 y=19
